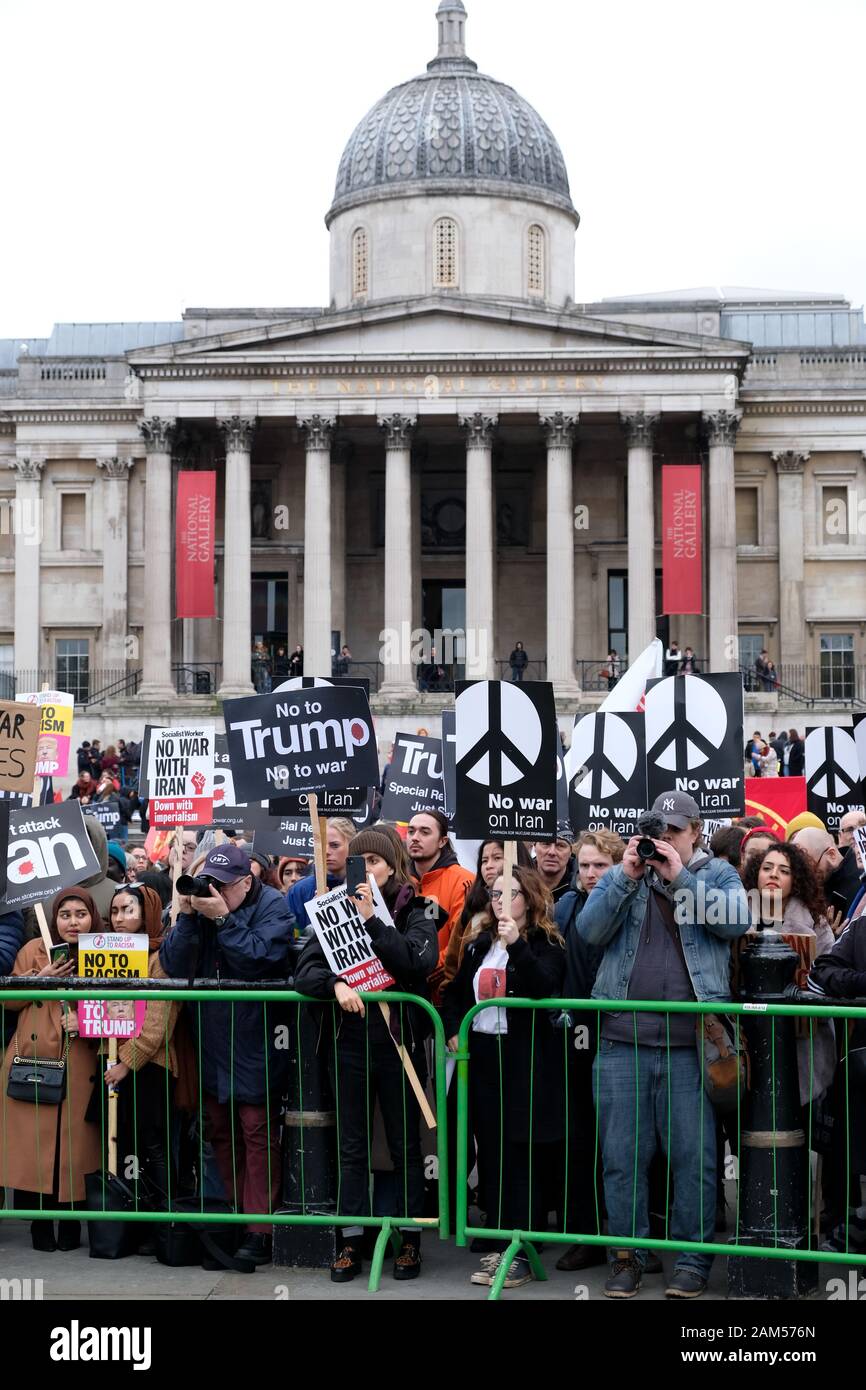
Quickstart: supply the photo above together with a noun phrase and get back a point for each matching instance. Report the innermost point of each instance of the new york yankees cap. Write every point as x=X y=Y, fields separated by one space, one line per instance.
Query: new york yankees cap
x=677 y=809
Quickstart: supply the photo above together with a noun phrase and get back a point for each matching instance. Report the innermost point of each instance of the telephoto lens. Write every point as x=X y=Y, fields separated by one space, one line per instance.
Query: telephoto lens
x=651 y=826
x=189 y=887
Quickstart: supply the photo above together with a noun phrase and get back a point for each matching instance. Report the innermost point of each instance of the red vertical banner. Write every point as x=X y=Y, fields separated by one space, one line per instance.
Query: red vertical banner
x=682 y=587
x=194 y=545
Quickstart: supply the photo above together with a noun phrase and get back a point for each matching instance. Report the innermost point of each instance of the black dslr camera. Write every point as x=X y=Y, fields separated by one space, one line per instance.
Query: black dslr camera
x=651 y=826
x=198 y=887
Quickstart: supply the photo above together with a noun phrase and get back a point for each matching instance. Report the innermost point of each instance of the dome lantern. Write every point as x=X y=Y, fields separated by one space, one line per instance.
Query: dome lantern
x=451 y=19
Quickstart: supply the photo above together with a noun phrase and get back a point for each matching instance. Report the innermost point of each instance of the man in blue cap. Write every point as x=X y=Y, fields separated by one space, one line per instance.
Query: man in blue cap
x=240 y=931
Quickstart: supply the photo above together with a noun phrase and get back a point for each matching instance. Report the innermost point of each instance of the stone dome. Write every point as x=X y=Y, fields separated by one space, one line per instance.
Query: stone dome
x=452 y=129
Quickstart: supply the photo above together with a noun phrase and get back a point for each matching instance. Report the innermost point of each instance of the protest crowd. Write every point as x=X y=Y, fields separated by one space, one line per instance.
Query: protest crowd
x=575 y=1116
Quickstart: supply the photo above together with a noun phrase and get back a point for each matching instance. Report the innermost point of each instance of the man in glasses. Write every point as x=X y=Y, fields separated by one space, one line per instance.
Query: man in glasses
x=836 y=869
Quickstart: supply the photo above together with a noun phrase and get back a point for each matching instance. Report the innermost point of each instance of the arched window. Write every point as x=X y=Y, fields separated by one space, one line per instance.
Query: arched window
x=445 y=271
x=535 y=267
x=360 y=264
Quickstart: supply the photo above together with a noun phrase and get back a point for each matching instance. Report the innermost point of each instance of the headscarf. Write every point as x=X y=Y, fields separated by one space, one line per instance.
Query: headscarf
x=151 y=910
x=96 y=922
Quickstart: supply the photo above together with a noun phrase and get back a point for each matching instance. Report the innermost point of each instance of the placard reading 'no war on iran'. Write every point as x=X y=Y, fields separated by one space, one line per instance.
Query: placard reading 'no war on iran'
x=49 y=849
x=506 y=750
x=694 y=741
x=313 y=740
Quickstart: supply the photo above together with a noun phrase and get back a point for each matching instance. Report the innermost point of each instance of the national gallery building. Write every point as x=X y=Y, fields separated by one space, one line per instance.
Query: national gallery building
x=451 y=444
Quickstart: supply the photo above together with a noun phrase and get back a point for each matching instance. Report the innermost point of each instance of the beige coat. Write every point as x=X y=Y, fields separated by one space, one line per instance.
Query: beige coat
x=34 y=1139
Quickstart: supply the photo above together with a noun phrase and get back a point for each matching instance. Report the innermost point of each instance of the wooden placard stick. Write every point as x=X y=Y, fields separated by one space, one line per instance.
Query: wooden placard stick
x=218 y=837
x=113 y=1098
x=43 y=928
x=507 y=872
x=409 y=1069
x=176 y=871
x=318 y=825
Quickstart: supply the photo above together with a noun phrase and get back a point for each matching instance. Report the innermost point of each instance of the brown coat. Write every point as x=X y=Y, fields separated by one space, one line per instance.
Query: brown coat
x=33 y=1139
x=159 y=1020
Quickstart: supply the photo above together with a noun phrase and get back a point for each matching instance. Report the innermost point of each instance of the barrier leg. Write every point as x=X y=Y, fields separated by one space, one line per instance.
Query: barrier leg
x=504 y=1265
x=385 y=1235
x=538 y=1270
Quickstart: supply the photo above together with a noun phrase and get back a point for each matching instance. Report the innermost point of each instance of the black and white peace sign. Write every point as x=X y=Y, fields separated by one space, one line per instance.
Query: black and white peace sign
x=499 y=734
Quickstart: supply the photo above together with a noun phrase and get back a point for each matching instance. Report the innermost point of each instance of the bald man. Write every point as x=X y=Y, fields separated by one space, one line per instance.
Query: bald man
x=848 y=824
x=836 y=868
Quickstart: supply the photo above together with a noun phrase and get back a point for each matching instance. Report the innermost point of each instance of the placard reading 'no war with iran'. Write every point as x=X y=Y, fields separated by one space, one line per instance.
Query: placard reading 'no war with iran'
x=313 y=740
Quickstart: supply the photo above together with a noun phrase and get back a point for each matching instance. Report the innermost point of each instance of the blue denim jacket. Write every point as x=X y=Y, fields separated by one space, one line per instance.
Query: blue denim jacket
x=711 y=910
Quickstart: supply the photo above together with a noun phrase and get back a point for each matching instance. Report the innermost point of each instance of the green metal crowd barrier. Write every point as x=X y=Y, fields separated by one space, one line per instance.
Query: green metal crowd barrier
x=525 y=1238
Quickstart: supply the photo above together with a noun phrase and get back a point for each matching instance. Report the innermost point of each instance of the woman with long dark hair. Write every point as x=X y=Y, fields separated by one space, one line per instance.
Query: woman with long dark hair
x=364 y=1063
x=491 y=858
x=517 y=1063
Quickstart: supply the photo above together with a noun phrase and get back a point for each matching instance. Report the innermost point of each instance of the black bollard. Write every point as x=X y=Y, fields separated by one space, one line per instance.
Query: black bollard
x=774 y=1150
x=309 y=1150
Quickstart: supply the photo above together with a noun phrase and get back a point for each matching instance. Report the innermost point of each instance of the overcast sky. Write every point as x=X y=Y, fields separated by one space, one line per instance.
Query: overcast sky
x=164 y=154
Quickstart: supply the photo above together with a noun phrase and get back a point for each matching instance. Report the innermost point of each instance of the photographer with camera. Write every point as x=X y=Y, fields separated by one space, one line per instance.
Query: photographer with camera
x=660 y=943
x=233 y=926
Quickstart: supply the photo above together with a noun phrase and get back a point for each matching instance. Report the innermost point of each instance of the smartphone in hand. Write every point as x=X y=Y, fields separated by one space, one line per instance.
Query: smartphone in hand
x=61 y=953
x=356 y=872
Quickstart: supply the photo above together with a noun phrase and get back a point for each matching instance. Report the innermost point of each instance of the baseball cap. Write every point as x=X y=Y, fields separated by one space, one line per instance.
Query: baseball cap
x=226 y=863
x=564 y=831
x=677 y=809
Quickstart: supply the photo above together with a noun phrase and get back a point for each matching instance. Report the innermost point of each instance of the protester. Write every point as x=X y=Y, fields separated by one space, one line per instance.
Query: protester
x=756 y=841
x=836 y=870
x=11 y=939
x=137 y=863
x=339 y=833
x=146 y=1106
x=116 y=867
x=851 y=821
x=516 y=1078
x=795 y=754
x=491 y=857
x=84 y=790
x=100 y=886
x=787 y=898
x=441 y=878
x=841 y=974
x=727 y=844
x=753 y=752
x=46 y=1149
x=769 y=763
x=291 y=869
x=779 y=743
x=241 y=932
x=596 y=852
x=660 y=943
x=518 y=661
x=111 y=761
x=554 y=860
x=364 y=1063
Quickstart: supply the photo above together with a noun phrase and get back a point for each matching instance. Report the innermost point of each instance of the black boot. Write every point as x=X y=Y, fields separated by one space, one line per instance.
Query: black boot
x=68 y=1235
x=257 y=1248
x=42 y=1236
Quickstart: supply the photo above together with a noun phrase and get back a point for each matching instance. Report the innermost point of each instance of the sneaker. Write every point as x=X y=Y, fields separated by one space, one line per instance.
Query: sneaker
x=625 y=1276
x=519 y=1273
x=489 y=1265
x=685 y=1283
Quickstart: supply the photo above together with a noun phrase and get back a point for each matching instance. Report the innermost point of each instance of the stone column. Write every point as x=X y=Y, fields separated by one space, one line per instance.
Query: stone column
x=237 y=432
x=28 y=521
x=319 y=430
x=559 y=433
x=340 y=460
x=157 y=683
x=399 y=677
x=115 y=560
x=722 y=426
x=480 y=546
x=792 y=607
x=639 y=427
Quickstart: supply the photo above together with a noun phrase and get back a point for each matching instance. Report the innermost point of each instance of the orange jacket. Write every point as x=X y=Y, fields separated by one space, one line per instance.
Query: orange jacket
x=447 y=883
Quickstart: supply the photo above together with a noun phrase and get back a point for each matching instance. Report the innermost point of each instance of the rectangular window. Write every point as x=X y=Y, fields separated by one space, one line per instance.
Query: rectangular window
x=751 y=644
x=747 y=516
x=73 y=666
x=617 y=612
x=837 y=665
x=7 y=671
x=73 y=521
x=834 y=515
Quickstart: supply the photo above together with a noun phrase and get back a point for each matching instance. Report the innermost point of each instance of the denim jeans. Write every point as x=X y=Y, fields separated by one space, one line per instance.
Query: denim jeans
x=642 y=1106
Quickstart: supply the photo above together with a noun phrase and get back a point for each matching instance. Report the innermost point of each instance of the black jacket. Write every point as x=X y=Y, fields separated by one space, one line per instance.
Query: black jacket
x=842 y=886
x=841 y=973
x=532 y=1086
x=796 y=758
x=409 y=951
x=581 y=959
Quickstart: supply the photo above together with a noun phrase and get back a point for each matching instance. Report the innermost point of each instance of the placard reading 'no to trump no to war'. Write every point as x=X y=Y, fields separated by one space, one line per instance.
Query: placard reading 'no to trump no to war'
x=315 y=740
x=180 y=771
x=415 y=778
x=49 y=849
x=344 y=940
x=506 y=750
x=19 y=736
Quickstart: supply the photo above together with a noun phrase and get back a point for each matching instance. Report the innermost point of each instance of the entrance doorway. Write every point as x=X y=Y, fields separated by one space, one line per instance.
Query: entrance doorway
x=443 y=618
x=617 y=613
x=270 y=610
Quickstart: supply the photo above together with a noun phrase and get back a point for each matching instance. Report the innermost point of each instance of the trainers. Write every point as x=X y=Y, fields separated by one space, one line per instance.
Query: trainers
x=625 y=1276
x=519 y=1273
x=489 y=1265
x=685 y=1283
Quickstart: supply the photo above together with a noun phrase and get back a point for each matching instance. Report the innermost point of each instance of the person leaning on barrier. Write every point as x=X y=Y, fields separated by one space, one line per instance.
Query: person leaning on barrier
x=596 y=852
x=241 y=931
x=362 y=1059
x=516 y=1072
x=666 y=925
x=45 y=1150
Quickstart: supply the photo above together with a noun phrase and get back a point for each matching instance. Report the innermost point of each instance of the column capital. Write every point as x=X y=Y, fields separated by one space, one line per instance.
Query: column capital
x=479 y=428
x=319 y=430
x=115 y=466
x=558 y=429
x=158 y=434
x=790 y=460
x=398 y=430
x=28 y=467
x=722 y=425
x=640 y=427
x=237 y=432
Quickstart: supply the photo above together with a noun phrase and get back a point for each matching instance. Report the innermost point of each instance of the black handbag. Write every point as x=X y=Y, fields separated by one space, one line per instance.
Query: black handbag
x=111 y=1240
x=37 y=1080
x=182 y=1243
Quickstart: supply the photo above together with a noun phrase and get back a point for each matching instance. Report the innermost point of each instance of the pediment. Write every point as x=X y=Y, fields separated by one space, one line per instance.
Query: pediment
x=438 y=325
